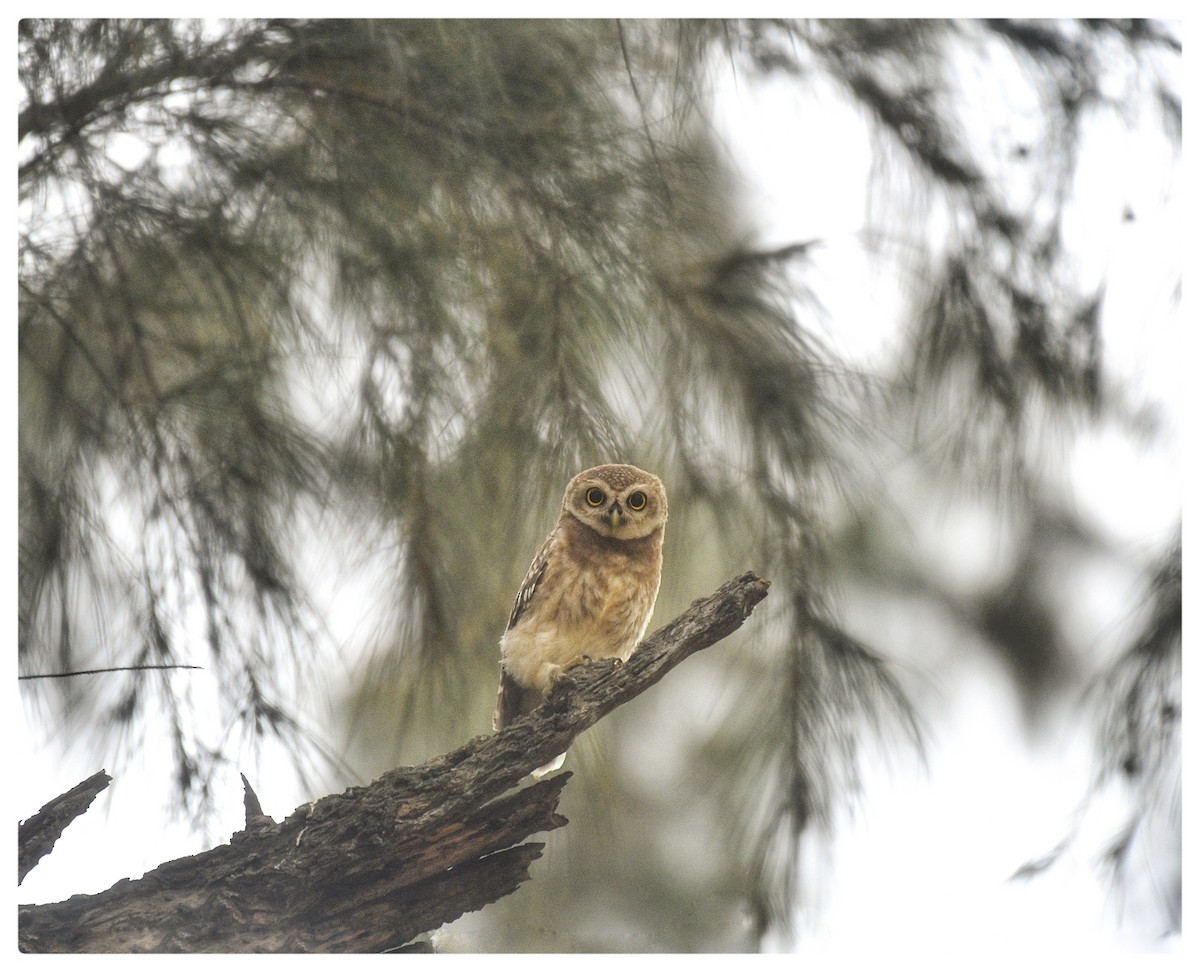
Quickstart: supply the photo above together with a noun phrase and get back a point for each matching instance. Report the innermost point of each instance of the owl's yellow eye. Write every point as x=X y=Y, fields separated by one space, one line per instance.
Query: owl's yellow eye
x=594 y=496
x=636 y=501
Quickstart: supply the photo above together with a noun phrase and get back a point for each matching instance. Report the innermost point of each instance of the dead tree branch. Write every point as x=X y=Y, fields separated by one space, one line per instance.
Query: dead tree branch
x=37 y=836
x=373 y=867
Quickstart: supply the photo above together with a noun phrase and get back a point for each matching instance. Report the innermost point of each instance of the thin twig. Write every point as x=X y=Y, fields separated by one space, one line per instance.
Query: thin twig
x=101 y=671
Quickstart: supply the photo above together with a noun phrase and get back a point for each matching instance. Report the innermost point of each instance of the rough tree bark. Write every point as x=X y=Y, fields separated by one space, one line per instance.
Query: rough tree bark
x=37 y=836
x=371 y=868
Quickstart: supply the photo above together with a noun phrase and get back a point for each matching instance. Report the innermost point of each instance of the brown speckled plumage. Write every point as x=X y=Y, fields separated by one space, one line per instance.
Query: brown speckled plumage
x=590 y=591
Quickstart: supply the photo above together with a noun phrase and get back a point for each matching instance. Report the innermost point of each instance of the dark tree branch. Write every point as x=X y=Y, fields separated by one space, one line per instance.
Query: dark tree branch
x=37 y=835
x=373 y=867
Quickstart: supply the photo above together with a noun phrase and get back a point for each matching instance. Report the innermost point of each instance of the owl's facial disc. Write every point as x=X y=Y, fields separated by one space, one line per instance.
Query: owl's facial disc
x=622 y=518
x=618 y=502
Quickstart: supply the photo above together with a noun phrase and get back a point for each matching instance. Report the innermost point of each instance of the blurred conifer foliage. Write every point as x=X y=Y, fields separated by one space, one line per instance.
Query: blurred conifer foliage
x=302 y=300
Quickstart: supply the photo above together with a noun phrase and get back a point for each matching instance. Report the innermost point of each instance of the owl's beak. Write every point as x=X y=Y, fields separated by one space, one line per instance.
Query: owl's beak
x=614 y=518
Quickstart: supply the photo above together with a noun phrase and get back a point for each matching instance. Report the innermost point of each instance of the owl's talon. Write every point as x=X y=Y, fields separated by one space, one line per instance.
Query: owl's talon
x=559 y=671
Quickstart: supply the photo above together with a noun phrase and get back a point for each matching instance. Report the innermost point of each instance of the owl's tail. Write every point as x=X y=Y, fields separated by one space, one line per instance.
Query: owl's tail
x=549 y=767
x=513 y=701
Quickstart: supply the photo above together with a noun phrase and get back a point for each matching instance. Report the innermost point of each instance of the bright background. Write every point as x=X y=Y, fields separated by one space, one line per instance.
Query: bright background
x=925 y=862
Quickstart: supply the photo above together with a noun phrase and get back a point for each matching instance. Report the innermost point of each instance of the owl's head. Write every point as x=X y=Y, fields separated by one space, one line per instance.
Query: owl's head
x=618 y=501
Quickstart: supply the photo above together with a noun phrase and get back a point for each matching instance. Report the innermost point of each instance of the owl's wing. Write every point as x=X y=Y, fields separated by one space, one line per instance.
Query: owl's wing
x=515 y=700
x=533 y=577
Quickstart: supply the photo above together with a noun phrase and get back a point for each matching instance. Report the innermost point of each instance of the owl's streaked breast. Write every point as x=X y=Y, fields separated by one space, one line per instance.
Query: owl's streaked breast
x=595 y=599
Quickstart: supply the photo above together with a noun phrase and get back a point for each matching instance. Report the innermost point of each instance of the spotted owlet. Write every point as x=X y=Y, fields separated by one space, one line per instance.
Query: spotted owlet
x=590 y=590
